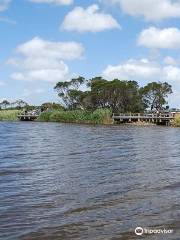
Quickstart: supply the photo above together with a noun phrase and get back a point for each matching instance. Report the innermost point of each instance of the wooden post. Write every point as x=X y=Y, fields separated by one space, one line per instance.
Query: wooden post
x=113 y=118
x=152 y=117
x=139 y=117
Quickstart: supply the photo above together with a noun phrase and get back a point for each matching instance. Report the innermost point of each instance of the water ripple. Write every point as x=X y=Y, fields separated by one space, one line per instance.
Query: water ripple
x=61 y=181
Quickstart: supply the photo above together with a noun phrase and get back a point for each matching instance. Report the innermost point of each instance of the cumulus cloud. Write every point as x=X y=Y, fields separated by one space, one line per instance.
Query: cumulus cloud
x=171 y=73
x=151 y=10
x=146 y=70
x=56 y=2
x=4 y=4
x=143 y=69
x=46 y=75
x=41 y=60
x=160 y=38
x=132 y=69
x=53 y=50
x=88 y=20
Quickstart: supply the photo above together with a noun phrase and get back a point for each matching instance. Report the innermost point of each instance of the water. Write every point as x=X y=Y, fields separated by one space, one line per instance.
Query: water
x=66 y=182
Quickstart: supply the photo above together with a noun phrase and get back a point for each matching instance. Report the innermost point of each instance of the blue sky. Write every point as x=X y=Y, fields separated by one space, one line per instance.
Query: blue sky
x=45 y=41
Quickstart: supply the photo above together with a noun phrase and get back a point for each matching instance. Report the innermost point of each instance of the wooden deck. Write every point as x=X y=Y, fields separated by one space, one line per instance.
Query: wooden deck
x=27 y=117
x=158 y=118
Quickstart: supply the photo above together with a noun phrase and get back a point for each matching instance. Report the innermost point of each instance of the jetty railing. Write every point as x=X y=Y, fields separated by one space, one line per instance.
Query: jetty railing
x=148 y=117
x=27 y=117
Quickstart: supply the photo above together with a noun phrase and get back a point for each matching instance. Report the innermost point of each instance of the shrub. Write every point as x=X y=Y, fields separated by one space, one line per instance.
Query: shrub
x=176 y=122
x=9 y=115
x=45 y=116
x=99 y=116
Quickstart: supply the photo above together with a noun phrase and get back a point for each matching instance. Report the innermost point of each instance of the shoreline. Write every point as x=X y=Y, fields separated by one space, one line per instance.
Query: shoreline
x=135 y=124
x=98 y=117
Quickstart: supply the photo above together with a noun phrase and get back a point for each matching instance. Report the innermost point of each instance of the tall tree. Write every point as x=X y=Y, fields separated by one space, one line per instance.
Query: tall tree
x=4 y=104
x=117 y=94
x=70 y=93
x=154 y=95
x=20 y=104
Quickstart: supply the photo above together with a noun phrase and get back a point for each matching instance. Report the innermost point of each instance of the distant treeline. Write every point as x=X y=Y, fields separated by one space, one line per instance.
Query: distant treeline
x=117 y=95
x=98 y=93
x=18 y=104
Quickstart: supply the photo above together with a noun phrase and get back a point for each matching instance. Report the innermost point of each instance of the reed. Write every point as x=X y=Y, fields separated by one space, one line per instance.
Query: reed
x=176 y=122
x=100 y=116
x=9 y=115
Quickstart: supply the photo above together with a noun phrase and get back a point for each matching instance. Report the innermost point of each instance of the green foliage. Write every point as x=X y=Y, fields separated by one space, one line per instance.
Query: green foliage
x=176 y=122
x=100 y=116
x=117 y=95
x=154 y=95
x=9 y=115
x=4 y=104
x=19 y=104
x=45 y=116
x=30 y=107
x=69 y=92
x=51 y=106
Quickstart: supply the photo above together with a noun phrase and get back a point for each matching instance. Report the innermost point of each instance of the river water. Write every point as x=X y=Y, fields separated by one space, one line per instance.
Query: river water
x=63 y=181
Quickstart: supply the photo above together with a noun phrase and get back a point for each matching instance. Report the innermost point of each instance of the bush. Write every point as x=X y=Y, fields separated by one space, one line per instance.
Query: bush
x=176 y=122
x=9 y=115
x=99 y=116
x=45 y=116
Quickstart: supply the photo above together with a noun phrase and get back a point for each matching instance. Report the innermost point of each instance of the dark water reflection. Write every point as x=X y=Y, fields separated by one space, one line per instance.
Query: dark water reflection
x=82 y=182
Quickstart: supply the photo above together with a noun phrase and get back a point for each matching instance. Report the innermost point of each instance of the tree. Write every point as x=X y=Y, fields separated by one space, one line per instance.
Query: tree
x=20 y=104
x=70 y=93
x=4 y=104
x=154 y=95
x=52 y=106
x=118 y=95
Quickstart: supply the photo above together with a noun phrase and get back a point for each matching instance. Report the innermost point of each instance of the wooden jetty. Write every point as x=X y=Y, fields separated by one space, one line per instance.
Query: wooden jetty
x=27 y=117
x=158 y=118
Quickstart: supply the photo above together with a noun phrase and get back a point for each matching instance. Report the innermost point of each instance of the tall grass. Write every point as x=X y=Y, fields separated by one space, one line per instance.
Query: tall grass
x=9 y=115
x=176 y=122
x=99 y=116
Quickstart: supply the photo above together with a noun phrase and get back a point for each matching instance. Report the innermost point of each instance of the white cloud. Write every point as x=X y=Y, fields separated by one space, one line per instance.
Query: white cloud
x=160 y=38
x=4 y=4
x=46 y=75
x=38 y=47
x=170 y=61
x=143 y=71
x=42 y=60
x=88 y=20
x=132 y=70
x=56 y=2
x=172 y=73
x=151 y=10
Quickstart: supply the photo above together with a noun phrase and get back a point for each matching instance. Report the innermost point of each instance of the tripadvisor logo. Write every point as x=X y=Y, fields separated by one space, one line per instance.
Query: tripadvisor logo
x=140 y=231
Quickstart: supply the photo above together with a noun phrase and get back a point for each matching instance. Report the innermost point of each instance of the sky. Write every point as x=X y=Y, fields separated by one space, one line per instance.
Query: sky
x=43 y=42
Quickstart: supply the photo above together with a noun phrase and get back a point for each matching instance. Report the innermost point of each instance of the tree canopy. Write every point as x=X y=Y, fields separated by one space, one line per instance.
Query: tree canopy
x=117 y=95
x=154 y=95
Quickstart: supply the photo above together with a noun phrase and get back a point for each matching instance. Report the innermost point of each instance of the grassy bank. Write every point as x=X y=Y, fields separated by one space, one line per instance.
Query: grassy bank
x=8 y=115
x=77 y=116
x=176 y=122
